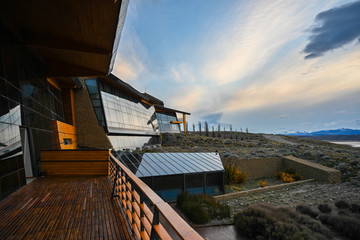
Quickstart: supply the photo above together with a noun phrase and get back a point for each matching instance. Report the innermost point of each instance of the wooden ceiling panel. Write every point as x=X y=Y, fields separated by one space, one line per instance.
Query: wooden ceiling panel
x=78 y=33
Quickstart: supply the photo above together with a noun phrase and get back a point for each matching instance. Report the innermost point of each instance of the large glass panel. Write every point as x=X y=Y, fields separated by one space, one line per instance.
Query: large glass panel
x=164 y=121
x=168 y=187
x=214 y=183
x=10 y=141
x=121 y=143
x=94 y=94
x=128 y=116
x=194 y=183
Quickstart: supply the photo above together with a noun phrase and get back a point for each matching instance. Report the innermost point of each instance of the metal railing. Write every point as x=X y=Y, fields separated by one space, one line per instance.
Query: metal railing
x=132 y=194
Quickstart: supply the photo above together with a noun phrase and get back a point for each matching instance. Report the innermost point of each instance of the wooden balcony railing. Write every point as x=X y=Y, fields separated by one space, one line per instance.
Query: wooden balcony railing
x=132 y=194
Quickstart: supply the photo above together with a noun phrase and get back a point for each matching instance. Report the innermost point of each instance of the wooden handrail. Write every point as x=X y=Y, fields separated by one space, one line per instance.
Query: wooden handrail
x=145 y=223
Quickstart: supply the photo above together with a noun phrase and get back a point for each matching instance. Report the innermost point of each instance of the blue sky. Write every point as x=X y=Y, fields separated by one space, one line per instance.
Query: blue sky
x=270 y=66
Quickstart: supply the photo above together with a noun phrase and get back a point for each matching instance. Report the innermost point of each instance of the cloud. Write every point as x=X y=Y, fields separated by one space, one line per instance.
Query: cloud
x=335 y=28
x=286 y=85
x=129 y=61
x=183 y=73
x=283 y=116
x=331 y=124
x=213 y=118
x=241 y=47
x=341 y=112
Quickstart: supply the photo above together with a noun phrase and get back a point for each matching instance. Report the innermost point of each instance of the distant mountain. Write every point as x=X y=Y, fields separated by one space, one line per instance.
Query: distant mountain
x=343 y=134
x=341 y=131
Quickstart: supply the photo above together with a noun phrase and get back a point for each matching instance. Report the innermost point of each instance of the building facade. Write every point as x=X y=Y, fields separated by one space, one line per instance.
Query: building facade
x=131 y=119
x=44 y=47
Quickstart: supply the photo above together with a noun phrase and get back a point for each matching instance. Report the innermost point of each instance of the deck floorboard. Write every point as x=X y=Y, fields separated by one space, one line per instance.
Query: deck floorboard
x=63 y=208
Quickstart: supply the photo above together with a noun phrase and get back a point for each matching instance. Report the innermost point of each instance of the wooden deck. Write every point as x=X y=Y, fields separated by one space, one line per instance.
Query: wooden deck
x=63 y=208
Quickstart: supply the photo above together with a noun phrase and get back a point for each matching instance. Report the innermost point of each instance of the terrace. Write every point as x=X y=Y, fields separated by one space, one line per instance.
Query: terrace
x=116 y=205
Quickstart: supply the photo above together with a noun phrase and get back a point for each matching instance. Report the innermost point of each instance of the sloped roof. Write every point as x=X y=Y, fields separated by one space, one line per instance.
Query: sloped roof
x=162 y=164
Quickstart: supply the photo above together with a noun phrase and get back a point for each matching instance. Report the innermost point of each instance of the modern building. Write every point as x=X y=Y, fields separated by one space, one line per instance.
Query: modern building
x=44 y=48
x=131 y=119
x=47 y=104
x=59 y=101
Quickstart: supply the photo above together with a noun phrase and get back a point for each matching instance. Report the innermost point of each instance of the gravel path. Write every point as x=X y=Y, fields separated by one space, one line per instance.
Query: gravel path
x=279 y=139
x=310 y=194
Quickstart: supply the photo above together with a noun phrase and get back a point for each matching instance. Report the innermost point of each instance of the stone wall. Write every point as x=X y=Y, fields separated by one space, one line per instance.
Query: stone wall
x=312 y=170
x=257 y=168
x=89 y=133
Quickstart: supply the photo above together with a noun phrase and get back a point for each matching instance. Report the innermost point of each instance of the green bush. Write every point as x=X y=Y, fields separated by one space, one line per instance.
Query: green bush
x=200 y=209
x=346 y=226
x=306 y=210
x=324 y=208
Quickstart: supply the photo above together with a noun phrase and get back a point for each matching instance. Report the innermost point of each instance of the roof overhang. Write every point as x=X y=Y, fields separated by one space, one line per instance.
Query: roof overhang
x=165 y=109
x=74 y=38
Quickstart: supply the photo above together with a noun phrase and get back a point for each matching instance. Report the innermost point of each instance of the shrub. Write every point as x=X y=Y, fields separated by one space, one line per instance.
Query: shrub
x=195 y=212
x=234 y=175
x=297 y=177
x=263 y=183
x=279 y=175
x=290 y=171
x=306 y=210
x=342 y=204
x=345 y=226
x=288 y=178
x=324 y=208
x=354 y=207
x=266 y=222
x=288 y=175
x=200 y=209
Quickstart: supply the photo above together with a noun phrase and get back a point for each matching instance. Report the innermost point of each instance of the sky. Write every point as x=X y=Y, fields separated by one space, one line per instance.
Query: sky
x=269 y=66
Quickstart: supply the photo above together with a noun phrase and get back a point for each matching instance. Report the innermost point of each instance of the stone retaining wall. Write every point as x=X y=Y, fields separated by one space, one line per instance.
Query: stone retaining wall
x=257 y=168
x=258 y=190
x=312 y=170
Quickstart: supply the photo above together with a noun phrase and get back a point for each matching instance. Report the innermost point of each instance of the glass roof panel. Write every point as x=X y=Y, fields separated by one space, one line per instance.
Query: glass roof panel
x=159 y=164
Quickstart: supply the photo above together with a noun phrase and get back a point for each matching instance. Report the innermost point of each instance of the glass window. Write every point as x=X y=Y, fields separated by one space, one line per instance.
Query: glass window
x=168 y=187
x=164 y=121
x=214 y=183
x=194 y=183
x=123 y=115
x=93 y=90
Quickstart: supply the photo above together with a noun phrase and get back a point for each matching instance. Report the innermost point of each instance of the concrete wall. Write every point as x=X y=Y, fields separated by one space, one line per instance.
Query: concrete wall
x=89 y=133
x=257 y=168
x=312 y=170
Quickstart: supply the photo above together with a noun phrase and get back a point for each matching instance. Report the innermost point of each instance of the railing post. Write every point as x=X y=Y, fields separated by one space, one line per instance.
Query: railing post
x=114 y=183
x=132 y=201
x=142 y=228
x=154 y=235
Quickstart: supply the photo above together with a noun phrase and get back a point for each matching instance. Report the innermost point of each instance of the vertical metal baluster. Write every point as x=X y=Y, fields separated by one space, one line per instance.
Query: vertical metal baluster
x=154 y=235
x=114 y=183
